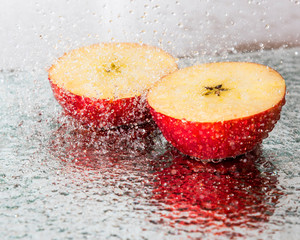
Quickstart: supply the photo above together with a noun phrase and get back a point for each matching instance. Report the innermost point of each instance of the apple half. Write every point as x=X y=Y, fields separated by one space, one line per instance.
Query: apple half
x=217 y=110
x=104 y=85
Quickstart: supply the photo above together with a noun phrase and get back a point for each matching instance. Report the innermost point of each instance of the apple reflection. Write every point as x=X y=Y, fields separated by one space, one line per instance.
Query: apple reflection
x=189 y=195
x=87 y=148
x=216 y=196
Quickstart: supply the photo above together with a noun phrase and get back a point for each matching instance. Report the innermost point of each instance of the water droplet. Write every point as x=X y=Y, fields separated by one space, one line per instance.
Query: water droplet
x=195 y=53
x=180 y=25
x=261 y=45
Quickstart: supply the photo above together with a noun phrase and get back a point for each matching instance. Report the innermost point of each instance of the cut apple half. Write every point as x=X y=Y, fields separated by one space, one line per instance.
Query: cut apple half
x=218 y=110
x=104 y=85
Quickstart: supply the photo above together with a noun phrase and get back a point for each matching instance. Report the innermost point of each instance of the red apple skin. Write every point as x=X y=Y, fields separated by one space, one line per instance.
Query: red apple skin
x=101 y=113
x=218 y=140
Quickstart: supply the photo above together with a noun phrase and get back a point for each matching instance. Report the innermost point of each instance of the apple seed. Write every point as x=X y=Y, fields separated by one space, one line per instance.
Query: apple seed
x=112 y=68
x=214 y=90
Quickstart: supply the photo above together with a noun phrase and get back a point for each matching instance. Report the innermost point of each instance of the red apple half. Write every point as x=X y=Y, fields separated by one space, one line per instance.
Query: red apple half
x=104 y=85
x=217 y=110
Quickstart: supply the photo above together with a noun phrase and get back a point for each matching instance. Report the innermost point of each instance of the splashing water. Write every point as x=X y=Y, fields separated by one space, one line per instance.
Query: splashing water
x=62 y=180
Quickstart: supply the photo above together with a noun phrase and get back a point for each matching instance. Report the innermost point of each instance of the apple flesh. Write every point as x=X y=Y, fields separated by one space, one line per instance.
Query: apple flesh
x=104 y=85
x=217 y=110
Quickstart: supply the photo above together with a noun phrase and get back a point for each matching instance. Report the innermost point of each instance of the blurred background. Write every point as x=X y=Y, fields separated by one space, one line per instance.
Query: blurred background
x=34 y=33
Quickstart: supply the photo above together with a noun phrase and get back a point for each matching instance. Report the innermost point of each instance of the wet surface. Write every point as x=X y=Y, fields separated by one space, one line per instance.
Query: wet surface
x=59 y=180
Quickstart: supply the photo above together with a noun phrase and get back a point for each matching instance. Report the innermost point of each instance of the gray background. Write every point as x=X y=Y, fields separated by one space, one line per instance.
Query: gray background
x=34 y=33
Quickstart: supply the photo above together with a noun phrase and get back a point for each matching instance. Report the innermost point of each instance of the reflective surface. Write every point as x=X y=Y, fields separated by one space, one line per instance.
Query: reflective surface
x=59 y=180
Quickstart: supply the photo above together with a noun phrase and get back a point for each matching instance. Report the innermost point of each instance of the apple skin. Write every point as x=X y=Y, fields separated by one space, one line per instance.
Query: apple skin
x=218 y=140
x=102 y=113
